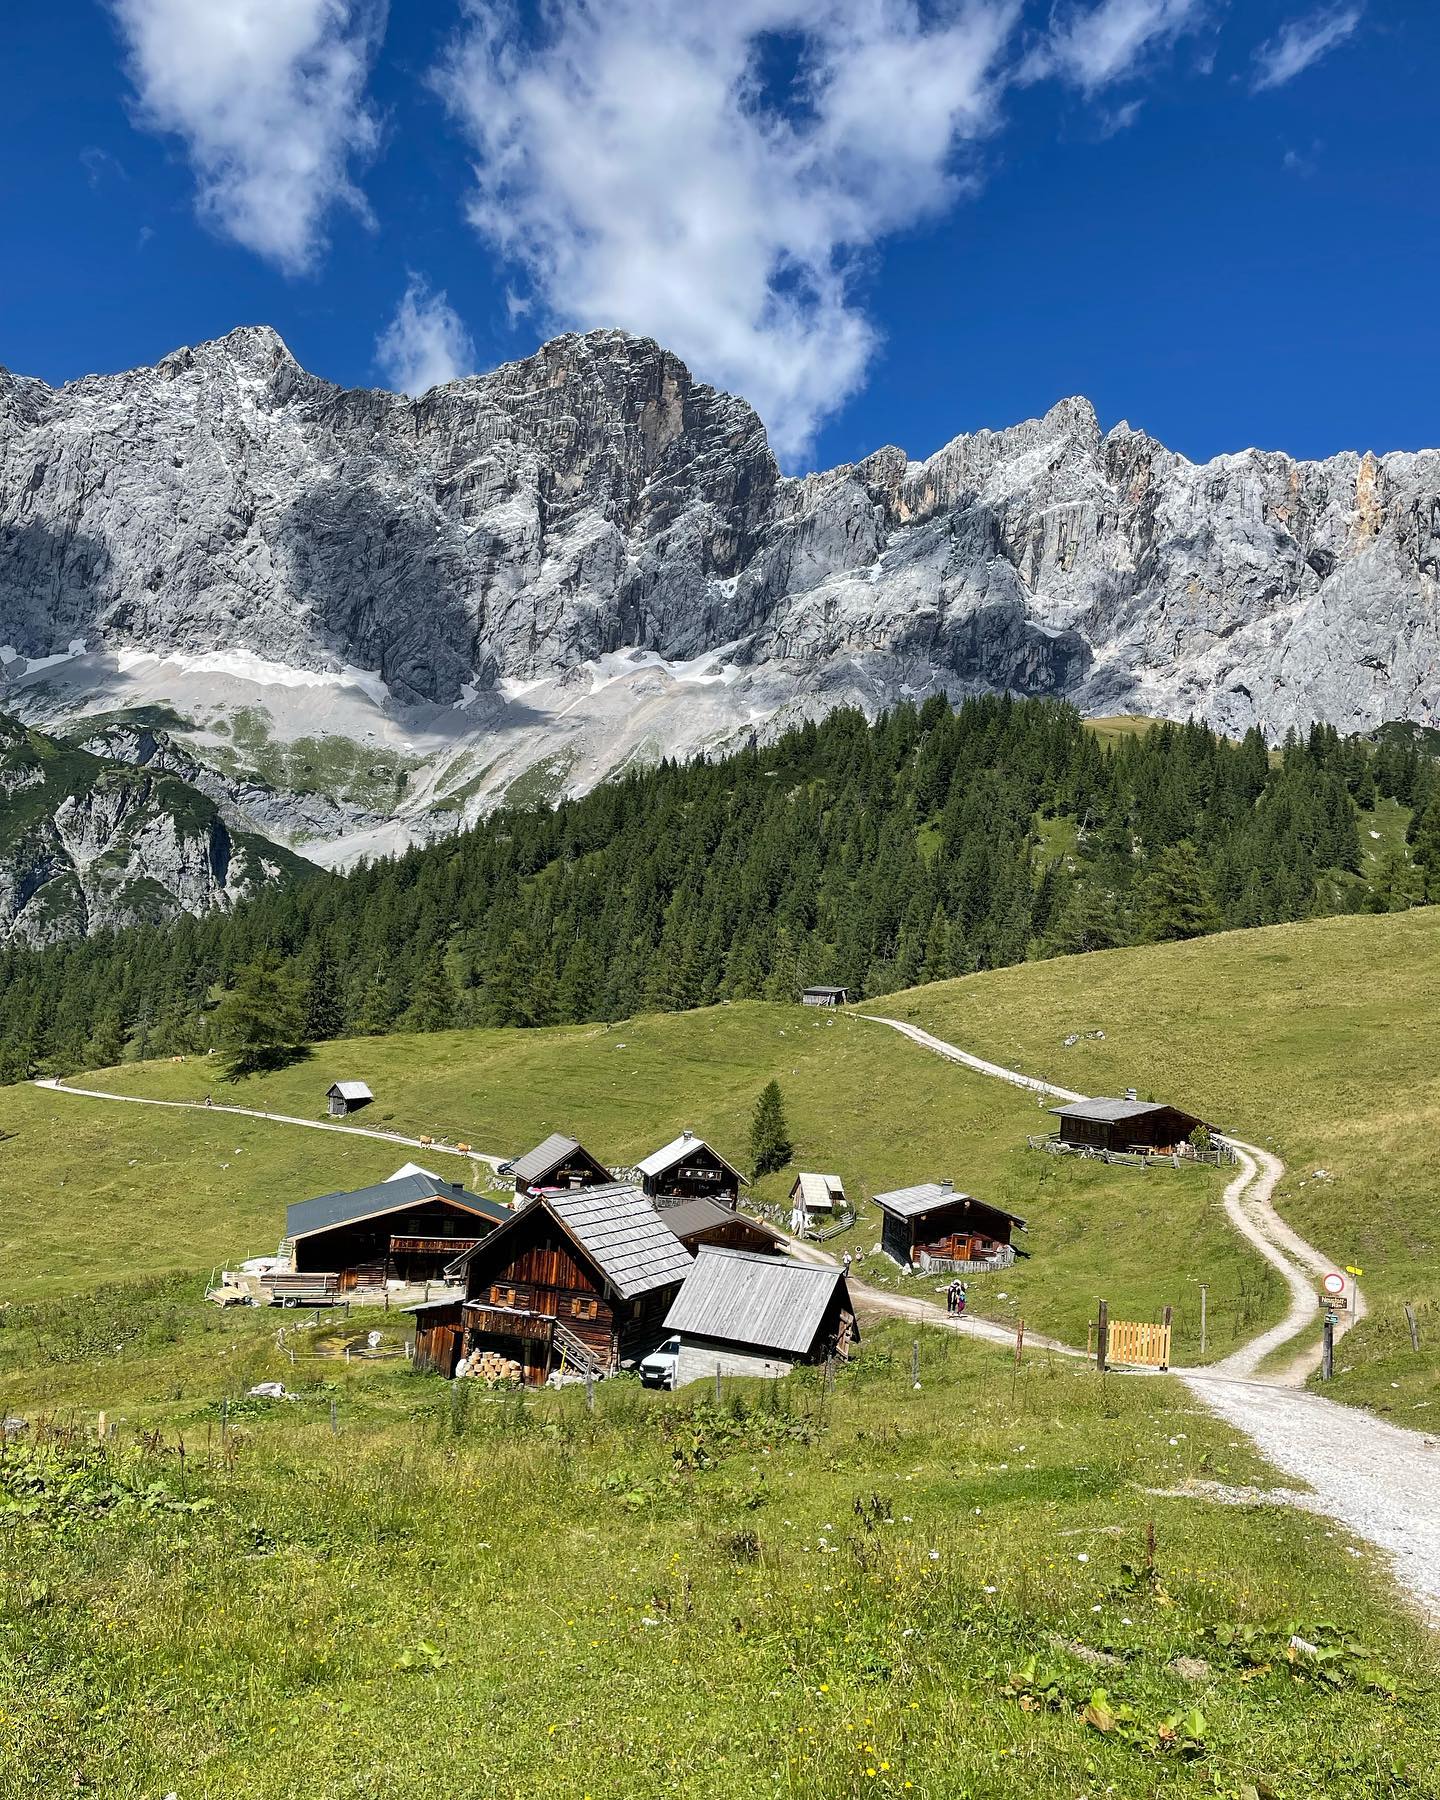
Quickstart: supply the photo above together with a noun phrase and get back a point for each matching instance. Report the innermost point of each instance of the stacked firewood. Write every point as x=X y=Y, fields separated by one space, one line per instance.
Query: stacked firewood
x=490 y=1367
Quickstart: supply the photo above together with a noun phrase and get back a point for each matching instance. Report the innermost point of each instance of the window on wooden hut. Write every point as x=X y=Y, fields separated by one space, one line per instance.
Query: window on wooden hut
x=502 y=1296
x=584 y=1309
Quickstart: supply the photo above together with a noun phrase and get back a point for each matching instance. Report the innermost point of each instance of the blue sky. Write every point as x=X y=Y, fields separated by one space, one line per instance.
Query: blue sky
x=882 y=221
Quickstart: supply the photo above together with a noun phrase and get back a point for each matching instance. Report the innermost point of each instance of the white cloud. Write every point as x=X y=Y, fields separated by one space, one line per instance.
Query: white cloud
x=269 y=98
x=633 y=164
x=425 y=343
x=1300 y=42
x=1094 y=47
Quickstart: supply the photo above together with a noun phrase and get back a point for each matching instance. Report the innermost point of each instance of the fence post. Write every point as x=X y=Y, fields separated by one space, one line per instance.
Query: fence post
x=334 y=1424
x=590 y=1390
x=915 y=1363
x=1202 y=1317
x=1102 y=1337
x=1414 y=1327
x=717 y=1383
x=1166 y=1319
x=1327 y=1348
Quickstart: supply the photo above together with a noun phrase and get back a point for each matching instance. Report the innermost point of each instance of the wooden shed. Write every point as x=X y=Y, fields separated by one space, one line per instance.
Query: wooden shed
x=579 y=1281
x=697 y=1222
x=345 y=1097
x=1128 y=1124
x=558 y=1163
x=825 y=996
x=410 y=1228
x=931 y=1223
x=759 y=1315
x=815 y=1197
x=687 y=1168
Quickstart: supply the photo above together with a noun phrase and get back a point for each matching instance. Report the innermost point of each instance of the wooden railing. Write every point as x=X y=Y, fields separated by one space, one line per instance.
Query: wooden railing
x=1139 y=1158
x=1138 y=1343
x=975 y=1265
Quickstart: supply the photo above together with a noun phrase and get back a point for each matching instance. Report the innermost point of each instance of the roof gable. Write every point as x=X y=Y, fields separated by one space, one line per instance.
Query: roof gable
x=548 y=1155
x=616 y=1230
x=659 y=1161
x=930 y=1196
x=1115 y=1112
x=743 y=1297
x=350 y=1090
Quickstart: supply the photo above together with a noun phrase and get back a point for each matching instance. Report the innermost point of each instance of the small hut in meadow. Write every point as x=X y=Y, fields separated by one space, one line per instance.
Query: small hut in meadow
x=345 y=1097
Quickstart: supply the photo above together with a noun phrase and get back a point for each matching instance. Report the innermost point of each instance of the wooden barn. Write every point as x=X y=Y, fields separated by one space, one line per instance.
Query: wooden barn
x=558 y=1163
x=697 y=1222
x=410 y=1228
x=580 y=1281
x=1128 y=1124
x=815 y=1199
x=932 y=1223
x=825 y=996
x=687 y=1168
x=759 y=1315
x=345 y=1097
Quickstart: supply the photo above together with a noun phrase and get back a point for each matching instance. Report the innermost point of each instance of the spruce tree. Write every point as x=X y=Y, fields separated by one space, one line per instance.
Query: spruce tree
x=259 y=1022
x=770 y=1146
x=1176 y=900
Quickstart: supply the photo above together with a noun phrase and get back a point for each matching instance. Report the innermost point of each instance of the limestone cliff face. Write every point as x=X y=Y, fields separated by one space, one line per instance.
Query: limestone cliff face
x=88 y=845
x=516 y=525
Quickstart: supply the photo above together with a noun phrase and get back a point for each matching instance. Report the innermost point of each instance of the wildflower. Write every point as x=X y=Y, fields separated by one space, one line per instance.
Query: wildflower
x=990 y=1590
x=1082 y=1557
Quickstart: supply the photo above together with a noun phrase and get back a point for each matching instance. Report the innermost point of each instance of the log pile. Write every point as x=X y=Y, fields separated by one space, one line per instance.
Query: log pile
x=488 y=1366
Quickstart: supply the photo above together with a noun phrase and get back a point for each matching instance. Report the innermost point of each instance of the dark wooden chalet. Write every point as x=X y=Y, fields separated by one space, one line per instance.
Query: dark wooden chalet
x=579 y=1280
x=410 y=1228
x=934 y=1220
x=697 y=1222
x=558 y=1163
x=688 y=1169
x=345 y=1097
x=1127 y=1124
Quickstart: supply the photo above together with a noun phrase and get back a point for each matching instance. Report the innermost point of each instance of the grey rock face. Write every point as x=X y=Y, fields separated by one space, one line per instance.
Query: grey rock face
x=87 y=845
x=592 y=498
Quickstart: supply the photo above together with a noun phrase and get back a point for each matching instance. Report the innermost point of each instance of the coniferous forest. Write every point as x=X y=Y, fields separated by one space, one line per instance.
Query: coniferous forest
x=927 y=844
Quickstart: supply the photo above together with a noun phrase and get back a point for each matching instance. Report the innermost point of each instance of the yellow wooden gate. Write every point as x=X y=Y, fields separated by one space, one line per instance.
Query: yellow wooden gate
x=1142 y=1345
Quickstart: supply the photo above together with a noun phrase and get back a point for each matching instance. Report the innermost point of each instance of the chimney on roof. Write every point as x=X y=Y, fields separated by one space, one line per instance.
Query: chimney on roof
x=687 y=1133
x=947 y=1186
x=1132 y=1094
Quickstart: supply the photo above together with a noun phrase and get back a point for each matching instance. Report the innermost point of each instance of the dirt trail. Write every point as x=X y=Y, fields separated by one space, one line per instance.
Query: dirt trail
x=56 y=1086
x=1378 y=1480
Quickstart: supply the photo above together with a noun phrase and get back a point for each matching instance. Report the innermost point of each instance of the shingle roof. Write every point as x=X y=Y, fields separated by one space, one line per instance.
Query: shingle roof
x=350 y=1090
x=658 y=1161
x=819 y=1190
x=743 y=1297
x=910 y=1202
x=307 y=1216
x=691 y=1216
x=1109 y=1112
x=544 y=1157
x=624 y=1235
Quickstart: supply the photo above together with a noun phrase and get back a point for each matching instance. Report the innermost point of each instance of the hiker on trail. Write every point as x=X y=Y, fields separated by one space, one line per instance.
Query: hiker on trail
x=848 y=1260
x=207 y=1099
x=960 y=1298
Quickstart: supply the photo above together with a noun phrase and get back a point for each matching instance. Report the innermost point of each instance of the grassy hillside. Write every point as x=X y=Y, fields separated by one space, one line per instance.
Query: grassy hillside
x=1320 y=1041
x=880 y=1592
x=860 y=1100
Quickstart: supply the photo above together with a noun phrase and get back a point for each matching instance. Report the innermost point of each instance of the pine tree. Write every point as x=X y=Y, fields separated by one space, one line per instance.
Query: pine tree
x=433 y=1006
x=259 y=1022
x=770 y=1146
x=1425 y=848
x=1176 y=900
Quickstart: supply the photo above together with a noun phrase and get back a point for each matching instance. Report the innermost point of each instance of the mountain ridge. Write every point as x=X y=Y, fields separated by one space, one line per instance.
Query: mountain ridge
x=493 y=554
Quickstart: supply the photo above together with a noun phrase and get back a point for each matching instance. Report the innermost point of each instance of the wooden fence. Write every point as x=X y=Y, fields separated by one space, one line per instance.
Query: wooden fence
x=1136 y=1342
x=1216 y=1157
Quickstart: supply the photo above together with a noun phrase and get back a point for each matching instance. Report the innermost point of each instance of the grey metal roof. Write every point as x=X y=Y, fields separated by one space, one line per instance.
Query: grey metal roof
x=691 y=1216
x=1113 y=1112
x=827 y=990
x=658 y=1161
x=624 y=1235
x=745 y=1297
x=350 y=1090
x=911 y=1202
x=544 y=1157
x=305 y=1217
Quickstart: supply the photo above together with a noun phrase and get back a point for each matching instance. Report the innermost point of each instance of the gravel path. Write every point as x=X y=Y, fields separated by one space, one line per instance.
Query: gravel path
x=1377 y=1480
x=248 y=1112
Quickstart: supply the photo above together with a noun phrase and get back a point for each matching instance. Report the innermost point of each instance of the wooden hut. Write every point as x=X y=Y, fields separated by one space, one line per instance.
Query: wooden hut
x=932 y=1222
x=410 y=1228
x=579 y=1281
x=825 y=996
x=697 y=1222
x=759 y=1315
x=815 y=1197
x=687 y=1168
x=1128 y=1124
x=345 y=1097
x=558 y=1163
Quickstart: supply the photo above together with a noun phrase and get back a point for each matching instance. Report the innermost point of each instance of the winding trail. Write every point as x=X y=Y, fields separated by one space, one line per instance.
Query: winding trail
x=1378 y=1480
x=56 y=1086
